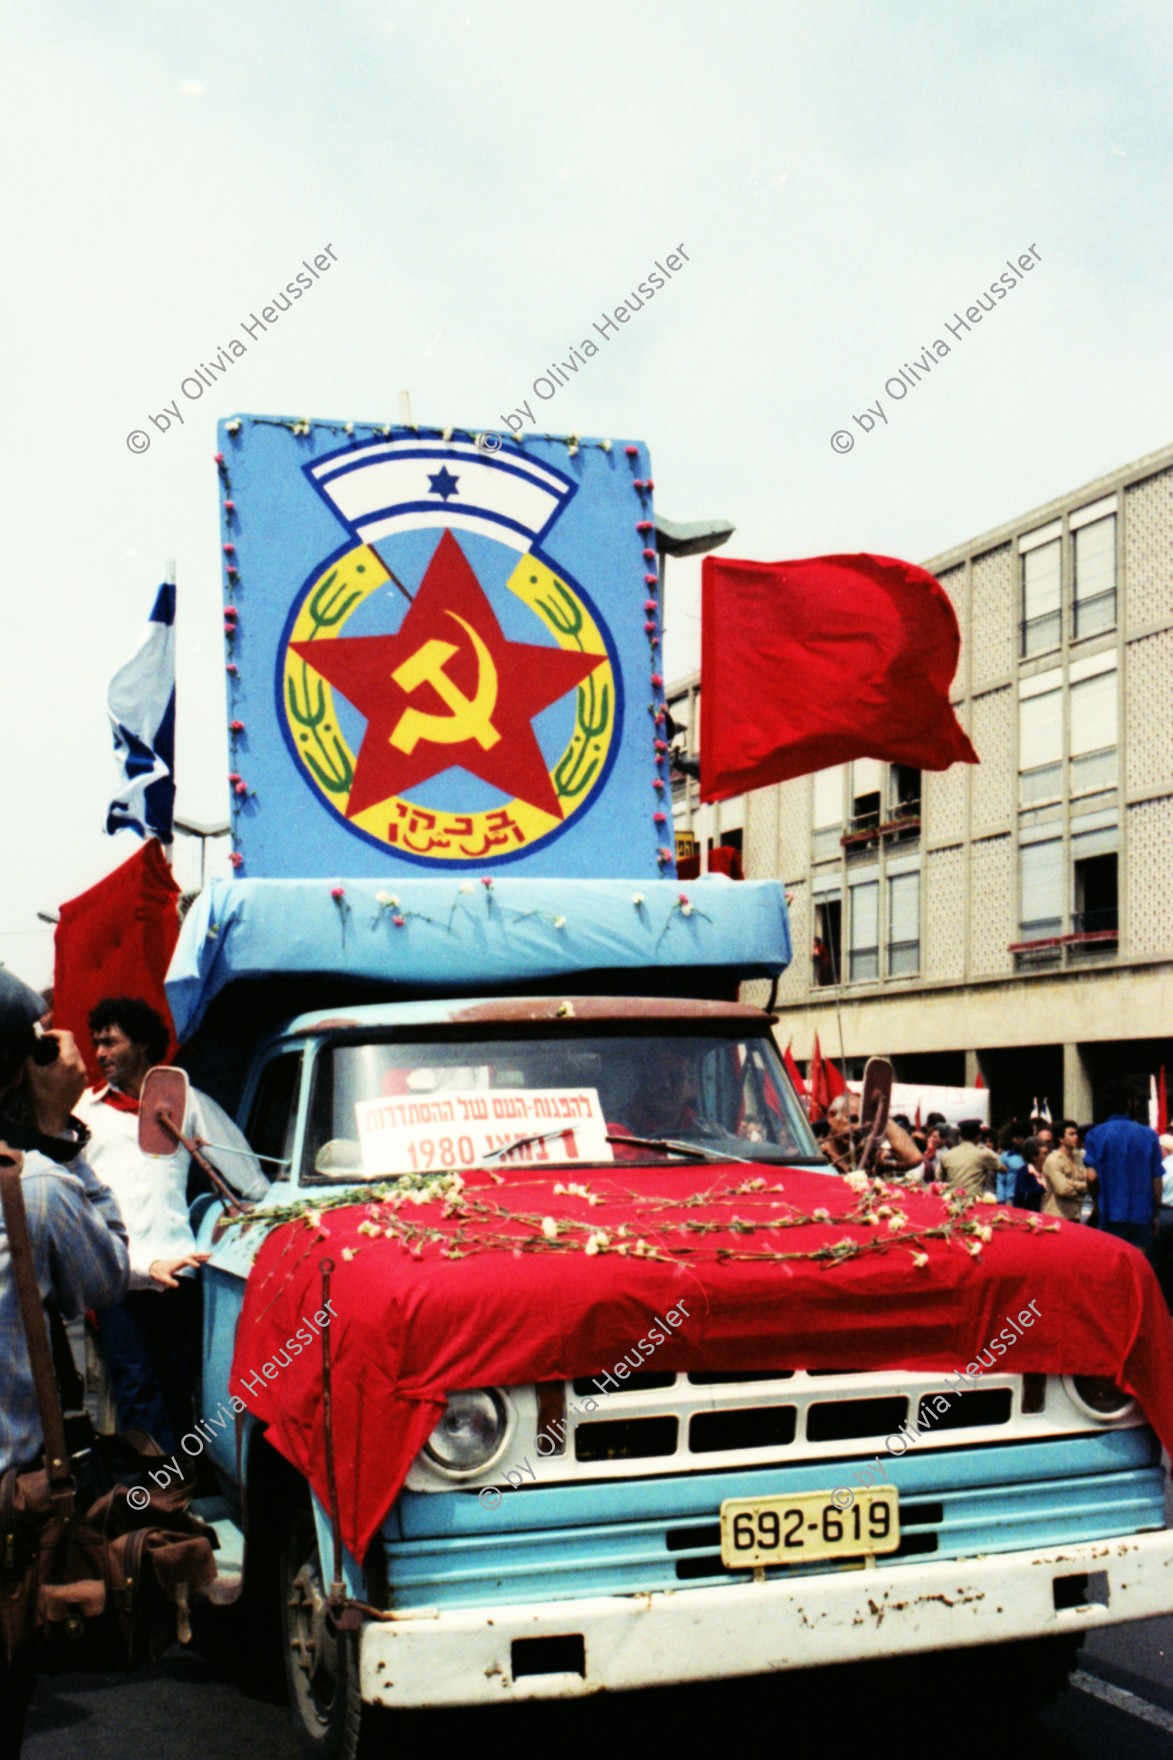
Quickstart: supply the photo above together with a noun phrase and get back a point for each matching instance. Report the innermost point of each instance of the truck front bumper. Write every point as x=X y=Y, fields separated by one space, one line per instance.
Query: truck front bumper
x=566 y=1649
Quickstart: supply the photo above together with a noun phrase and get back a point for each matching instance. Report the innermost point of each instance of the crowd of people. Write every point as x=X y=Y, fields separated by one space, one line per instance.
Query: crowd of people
x=109 y=1228
x=1116 y=1175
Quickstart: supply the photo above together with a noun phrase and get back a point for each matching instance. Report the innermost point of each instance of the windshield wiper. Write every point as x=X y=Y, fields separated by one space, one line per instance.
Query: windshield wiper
x=526 y=1142
x=694 y=1151
x=666 y=1146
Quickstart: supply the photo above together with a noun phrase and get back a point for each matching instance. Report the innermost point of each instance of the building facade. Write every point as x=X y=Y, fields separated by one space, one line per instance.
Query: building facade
x=1012 y=919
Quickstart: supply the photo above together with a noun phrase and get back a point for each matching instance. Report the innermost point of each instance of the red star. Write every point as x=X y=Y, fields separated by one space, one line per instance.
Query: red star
x=448 y=689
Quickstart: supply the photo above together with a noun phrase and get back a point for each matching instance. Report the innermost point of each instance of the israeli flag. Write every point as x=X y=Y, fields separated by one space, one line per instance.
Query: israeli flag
x=409 y=484
x=141 y=702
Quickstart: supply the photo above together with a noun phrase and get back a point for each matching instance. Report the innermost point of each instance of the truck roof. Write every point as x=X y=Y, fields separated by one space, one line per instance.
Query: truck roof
x=431 y=937
x=519 y=1010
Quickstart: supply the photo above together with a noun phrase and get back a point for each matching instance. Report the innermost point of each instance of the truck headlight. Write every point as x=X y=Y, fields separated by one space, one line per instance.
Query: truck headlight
x=1099 y=1397
x=471 y=1435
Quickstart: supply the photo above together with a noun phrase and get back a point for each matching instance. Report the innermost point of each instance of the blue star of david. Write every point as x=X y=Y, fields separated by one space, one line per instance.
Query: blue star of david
x=443 y=483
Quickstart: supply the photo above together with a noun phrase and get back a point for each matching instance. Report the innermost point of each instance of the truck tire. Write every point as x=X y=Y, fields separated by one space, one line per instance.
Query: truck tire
x=1032 y=1672
x=321 y=1664
x=1024 y=1677
x=244 y=1640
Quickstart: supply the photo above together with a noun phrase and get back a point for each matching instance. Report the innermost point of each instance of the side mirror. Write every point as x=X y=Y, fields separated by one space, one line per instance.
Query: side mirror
x=164 y=1096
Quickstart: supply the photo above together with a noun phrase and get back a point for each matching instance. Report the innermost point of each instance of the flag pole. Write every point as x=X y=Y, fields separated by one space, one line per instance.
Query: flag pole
x=842 y=1046
x=168 y=848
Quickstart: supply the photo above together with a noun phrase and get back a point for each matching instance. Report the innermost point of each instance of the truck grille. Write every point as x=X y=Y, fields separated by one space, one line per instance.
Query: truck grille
x=638 y=1535
x=730 y=1429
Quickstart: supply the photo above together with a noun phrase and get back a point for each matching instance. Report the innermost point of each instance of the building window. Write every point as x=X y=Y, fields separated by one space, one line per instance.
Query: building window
x=827 y=813
x=903 y=792
x=867 y=795
x=828 y=944
x=903 y=925
x=726 y=855
x=1095 y=898
x=1040 y=740
x=1094 y=578
x=1095 y=895
x=1041 y=597
x=865 y=932
x=1040 y=890
x=1093 y=731
x=904 y=805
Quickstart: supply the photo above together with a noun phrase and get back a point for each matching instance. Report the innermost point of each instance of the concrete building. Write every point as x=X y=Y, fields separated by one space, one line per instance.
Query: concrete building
x=1013 y=918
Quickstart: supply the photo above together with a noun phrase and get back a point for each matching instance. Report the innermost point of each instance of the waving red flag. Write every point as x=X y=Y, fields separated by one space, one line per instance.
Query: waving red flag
x=116 y=940
x=793 y=1071
x=811 y=663
x=826 y=1083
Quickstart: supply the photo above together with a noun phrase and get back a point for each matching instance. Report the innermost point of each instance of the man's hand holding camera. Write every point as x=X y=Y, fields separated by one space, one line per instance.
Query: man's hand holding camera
x=54 y=1088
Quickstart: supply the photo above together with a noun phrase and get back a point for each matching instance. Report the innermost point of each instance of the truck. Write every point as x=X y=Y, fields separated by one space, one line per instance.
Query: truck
x=556 y=1360
x=501 y=1120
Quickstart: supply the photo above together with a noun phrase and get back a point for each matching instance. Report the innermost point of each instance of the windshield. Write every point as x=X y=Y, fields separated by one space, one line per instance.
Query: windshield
x=386 y=1108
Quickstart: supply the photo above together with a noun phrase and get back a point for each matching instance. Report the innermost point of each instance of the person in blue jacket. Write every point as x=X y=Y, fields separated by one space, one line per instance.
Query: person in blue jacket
x=1127 y=1158
x=1029 y=1186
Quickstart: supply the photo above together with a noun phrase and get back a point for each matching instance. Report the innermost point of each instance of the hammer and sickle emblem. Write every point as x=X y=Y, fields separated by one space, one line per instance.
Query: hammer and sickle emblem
x=470 y=717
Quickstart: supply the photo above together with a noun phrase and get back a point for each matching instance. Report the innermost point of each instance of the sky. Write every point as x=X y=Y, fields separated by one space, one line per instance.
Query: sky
x=843 y=177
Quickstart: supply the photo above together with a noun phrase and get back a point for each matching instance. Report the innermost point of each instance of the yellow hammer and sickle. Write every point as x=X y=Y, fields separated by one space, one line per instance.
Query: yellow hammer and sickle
x=470 y=718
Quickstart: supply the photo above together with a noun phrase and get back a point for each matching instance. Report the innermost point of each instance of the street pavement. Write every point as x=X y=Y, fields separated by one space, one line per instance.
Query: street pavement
x=184 y=1709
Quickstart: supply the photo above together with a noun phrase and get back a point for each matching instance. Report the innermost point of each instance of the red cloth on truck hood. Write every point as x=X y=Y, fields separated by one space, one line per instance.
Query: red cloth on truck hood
x=477 y=1296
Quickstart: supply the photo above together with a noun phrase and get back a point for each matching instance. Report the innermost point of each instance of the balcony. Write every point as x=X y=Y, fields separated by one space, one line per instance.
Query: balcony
x=1094 y=935
x=869 y=830
x=1041 y=945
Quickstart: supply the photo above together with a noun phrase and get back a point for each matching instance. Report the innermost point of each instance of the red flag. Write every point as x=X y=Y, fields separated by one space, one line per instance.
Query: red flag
x=1162 y=1104
x=793 y=1071
x=979 y=1080
x=116 y=940
x=826 y=1083
x=916 y=1120
x=835 y=1082
x=810 y=663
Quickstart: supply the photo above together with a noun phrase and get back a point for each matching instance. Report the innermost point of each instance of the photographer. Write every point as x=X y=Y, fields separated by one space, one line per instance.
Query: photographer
x=78 y=1241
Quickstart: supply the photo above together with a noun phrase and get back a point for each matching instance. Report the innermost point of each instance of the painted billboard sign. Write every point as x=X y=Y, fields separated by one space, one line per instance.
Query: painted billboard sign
x=443 y=652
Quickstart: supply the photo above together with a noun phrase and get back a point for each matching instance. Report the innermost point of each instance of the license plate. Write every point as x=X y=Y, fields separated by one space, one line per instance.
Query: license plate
x=806 y=1526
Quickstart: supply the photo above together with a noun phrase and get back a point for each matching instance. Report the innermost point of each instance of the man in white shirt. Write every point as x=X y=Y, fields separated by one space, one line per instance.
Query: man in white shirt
x=150 y=1340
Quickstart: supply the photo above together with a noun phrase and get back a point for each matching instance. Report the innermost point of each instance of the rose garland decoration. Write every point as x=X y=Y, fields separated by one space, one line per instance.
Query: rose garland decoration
x=388 y=1208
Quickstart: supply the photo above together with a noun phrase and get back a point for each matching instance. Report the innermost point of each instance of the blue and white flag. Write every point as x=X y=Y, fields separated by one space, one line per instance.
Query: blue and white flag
x=141 y=702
